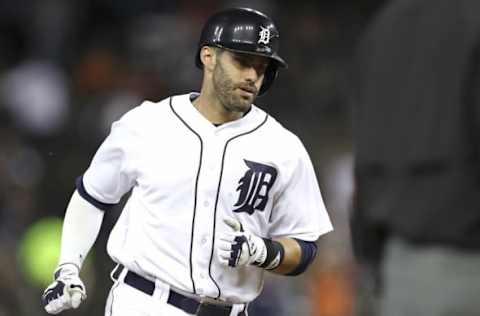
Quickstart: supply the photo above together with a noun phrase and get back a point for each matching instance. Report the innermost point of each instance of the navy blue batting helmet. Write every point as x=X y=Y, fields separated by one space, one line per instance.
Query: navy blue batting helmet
x=244 y=30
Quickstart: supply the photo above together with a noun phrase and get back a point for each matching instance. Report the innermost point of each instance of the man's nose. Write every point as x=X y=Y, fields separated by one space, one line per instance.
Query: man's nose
x=251 y=74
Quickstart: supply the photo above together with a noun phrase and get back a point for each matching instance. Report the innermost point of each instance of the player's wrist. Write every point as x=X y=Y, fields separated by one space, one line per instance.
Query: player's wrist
x=259 y=250
x=66 y=269
x=272 y=255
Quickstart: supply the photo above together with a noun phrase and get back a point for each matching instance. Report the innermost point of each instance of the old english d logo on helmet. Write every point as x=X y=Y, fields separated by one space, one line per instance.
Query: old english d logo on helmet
x=247 y=31
x=264 y=35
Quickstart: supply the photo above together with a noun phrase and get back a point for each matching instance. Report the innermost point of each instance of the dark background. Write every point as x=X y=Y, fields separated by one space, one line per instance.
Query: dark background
x=68 y=69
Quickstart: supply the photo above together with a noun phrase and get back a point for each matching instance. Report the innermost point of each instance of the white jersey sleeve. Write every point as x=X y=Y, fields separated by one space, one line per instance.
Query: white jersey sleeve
x=299 y=211
x=111 y=173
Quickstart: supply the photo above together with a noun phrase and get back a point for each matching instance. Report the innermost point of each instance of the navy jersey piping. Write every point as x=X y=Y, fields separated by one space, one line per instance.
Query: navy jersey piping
x=196 y=186
x=90 y=199
x=218 y=193
x=113 y=296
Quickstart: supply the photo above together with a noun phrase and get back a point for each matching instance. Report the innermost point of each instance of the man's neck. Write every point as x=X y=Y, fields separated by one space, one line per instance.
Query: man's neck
x=213 y=110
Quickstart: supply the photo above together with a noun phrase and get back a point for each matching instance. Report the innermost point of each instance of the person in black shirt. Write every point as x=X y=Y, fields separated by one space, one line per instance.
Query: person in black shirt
x=416 y=218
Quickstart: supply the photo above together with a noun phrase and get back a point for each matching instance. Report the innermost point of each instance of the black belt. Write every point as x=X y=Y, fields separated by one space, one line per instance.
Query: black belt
x=187 y=304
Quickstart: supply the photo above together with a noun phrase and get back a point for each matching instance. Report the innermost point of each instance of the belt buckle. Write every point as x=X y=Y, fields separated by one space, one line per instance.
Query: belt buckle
x=206 y=308
x=212 y=301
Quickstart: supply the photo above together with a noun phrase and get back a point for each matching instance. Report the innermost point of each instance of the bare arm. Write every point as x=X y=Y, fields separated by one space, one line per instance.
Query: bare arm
x=291 y=258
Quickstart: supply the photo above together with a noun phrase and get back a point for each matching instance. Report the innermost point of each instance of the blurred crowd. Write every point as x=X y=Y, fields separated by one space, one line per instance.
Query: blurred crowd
x=68 y=69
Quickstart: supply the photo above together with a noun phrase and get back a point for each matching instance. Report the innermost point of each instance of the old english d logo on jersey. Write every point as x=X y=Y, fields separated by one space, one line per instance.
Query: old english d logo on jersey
x=254 y=187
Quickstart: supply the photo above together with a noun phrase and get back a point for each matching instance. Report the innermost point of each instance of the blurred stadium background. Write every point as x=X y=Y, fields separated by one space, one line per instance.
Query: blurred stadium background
x=68 y=69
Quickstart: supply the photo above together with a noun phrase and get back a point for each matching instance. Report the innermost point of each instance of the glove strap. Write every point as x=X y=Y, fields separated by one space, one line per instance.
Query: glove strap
x=275 y=254
x=68 y=267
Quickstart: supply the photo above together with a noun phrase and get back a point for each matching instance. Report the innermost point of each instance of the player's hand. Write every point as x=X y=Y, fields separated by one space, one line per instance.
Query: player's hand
x=67 y=291
x=239 y=247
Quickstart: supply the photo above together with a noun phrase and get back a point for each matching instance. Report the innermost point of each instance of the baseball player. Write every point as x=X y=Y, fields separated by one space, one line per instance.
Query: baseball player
x=221 y=192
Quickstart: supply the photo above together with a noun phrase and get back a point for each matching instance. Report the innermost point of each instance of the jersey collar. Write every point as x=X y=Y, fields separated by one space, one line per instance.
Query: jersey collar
x=182 y=105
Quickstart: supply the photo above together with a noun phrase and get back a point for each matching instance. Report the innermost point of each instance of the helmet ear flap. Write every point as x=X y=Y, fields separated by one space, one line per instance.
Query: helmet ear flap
x=270 y=74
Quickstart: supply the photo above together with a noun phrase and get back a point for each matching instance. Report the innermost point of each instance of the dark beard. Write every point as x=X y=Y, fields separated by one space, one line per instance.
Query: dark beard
x=225 y=88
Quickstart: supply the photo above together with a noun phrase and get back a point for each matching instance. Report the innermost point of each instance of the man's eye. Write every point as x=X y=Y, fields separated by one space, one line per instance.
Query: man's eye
x=260 y=66
x=263 y=67
x=242 y=61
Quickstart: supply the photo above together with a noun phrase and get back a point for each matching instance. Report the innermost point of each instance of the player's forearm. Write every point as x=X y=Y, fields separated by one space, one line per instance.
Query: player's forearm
x=297 y=256
x=291 y=257
x=81 y=226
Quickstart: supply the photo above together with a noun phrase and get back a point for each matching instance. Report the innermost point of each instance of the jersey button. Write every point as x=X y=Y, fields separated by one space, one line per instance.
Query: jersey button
x=204 y=240
x=206 y=204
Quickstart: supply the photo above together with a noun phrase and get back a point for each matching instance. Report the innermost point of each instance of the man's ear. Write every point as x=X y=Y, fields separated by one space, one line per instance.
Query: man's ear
x=208 y=57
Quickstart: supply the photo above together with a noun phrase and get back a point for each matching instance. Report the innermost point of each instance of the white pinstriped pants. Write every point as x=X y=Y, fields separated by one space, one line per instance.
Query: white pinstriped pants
x=125 y=300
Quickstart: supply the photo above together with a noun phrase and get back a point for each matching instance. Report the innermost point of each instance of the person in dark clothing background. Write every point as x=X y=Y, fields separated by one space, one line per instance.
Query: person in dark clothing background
x=416 y=124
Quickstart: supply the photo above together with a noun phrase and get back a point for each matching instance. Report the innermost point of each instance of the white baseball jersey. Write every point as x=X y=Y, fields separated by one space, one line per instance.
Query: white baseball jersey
x=187 y=175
